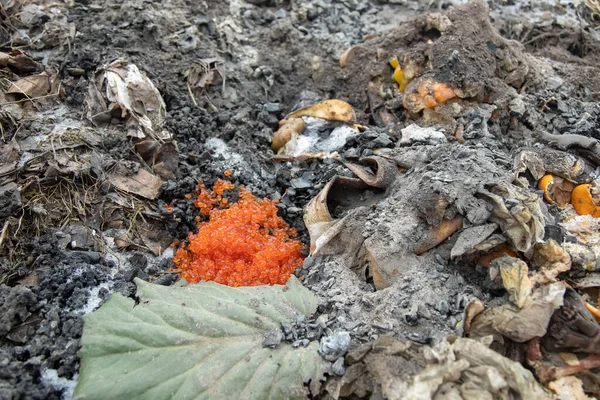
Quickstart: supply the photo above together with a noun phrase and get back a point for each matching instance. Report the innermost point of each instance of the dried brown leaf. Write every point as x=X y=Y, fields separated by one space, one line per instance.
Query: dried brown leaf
x=143 y=184
x=514 y=278
x=33 y=86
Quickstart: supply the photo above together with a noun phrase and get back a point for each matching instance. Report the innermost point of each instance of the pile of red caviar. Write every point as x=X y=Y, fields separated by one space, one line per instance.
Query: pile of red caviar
x=242 y=244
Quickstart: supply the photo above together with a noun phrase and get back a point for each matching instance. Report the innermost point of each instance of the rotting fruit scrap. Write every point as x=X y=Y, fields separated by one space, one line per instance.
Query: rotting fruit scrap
x=582 y=196
x=243 y=244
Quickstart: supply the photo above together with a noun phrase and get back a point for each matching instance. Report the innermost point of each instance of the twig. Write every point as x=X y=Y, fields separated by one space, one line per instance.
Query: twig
x=3 y=234
x=191 y=94
x=25 y=164
x=589 y=147
x=542 y=36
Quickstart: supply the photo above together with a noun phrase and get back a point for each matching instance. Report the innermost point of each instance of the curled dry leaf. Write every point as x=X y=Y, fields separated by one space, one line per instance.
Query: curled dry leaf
x=474 y=308
x=520 y=324
x=121 y=86
x=19 y=60
x=384 y=171
x=322 y=227
x=347 y=57
x=291 y=127
x=470 y=238
x=583 y=258
x=143 y=184
x=573 y=328
x=331 y=110
x=547 y=161
x=514 y=278
x=163 y=157
x=517 y=211
x=386 y=268
x=455 y=368
x=379 y=279
x=203 y=74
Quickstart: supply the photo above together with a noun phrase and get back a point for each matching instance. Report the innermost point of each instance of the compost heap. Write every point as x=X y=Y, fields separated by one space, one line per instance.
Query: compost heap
x=441 y=170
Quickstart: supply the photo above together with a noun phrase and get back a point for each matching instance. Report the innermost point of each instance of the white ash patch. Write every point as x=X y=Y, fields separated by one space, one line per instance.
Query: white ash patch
x=49 y=377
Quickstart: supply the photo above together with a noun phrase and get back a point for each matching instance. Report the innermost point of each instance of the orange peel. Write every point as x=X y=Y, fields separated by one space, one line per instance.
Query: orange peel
x=595 y=312
x=487 y=259
x=437 y=234
x=442 y=92
x=583 y=202
x=429 y=94
x=544 y=184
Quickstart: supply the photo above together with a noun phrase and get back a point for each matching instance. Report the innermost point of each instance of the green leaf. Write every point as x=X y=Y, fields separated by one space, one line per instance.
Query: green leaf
x=200 y=341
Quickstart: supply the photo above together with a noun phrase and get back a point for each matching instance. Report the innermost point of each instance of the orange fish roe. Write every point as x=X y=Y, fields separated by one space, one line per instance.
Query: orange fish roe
x=246 y=244
x=206 y=201
x=228 y=173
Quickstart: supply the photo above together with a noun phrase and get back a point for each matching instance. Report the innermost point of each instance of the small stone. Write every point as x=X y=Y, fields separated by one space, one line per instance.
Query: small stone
x=452 y=322
x=301 y=342
x=351 y=153
x=10 y=199
x=517 y=106
x=383 y=140
x=441 y=260
x=442 y=307
x=334 y=346
x=562 y=107
x=300 y=183
x=338 y=367
x=411 y=316
x=299 y=319
x=286 y=327
x=272 y=107
x=554 y=82
x=294 y=210
x=309 y=262
x=138 y=260
x=423 y=312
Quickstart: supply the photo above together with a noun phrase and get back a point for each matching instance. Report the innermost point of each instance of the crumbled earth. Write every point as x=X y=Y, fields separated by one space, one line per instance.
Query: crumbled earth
x=528 y=72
